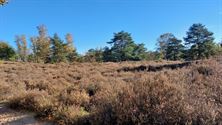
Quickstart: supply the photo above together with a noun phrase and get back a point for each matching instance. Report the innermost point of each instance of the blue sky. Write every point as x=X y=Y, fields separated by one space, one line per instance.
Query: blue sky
x=93 y=22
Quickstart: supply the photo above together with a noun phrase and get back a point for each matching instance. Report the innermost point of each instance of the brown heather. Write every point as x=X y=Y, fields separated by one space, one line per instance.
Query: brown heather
x=105 y=94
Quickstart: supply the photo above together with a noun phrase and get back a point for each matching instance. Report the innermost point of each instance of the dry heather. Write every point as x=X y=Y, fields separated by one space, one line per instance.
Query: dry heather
x=105 y=93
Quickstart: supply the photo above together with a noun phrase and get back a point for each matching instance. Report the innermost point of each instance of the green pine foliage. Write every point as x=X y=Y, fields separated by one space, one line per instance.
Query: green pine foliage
x=162 y=43
x=201 y=42
x=123 y=48
x=169 y=47
x=174 y=49
x=58 y=53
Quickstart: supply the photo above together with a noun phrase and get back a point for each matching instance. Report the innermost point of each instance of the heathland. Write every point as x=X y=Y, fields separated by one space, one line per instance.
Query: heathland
x=144 y=92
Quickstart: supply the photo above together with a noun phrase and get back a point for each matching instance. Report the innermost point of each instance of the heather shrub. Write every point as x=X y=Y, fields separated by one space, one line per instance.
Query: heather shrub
x=4 y=91
x=93 y=88
x=74 y=96
x=102 y=110
x=31 y=100
x=205 y=70
x=141 y=103
x=72 y=115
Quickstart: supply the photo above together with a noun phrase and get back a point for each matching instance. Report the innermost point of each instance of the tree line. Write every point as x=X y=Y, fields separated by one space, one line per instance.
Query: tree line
x=198 y=43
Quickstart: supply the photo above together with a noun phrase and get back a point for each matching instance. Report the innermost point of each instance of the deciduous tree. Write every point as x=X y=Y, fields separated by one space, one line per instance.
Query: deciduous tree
x=70 y=49
x=41 y=45
x=22 y=48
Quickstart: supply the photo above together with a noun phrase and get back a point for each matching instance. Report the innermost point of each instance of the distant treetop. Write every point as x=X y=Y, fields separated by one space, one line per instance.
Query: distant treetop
x=3 y=2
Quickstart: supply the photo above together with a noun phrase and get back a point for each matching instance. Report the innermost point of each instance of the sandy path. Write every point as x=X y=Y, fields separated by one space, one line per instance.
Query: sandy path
x=11 y=117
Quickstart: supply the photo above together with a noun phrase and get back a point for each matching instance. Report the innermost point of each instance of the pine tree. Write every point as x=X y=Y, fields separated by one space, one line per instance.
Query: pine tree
x=174 y=49
x=124 y=49
x=169 y=47
x=58 y=50
x=139 y=52
x=200 y=41
x=162 y=43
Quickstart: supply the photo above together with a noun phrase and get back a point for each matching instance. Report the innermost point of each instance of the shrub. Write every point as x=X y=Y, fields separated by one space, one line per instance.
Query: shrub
x=205 y=70
x=142 y=103
x=6 y=51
